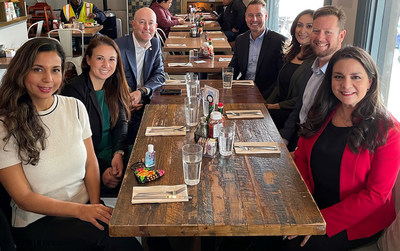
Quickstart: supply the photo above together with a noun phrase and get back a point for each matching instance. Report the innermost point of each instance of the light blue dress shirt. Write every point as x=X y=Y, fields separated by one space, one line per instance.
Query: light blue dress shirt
x=254 y=52
x=311 y=89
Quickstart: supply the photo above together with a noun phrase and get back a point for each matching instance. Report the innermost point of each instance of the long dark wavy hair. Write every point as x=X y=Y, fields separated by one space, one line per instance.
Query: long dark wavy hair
x=294 y=47
x=116 y=88
x=20 y=117
x=371 y=121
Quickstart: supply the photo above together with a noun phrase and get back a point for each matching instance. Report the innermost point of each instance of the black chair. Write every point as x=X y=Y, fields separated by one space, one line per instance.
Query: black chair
x=6 y=240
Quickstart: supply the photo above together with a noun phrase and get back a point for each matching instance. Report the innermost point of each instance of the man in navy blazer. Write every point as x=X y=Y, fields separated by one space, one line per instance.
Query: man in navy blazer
x=143 y=65
x=258 y=52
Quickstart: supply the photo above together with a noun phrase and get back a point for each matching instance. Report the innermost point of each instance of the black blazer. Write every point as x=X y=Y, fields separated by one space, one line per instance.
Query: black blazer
x=269 y=61
x=81 y=87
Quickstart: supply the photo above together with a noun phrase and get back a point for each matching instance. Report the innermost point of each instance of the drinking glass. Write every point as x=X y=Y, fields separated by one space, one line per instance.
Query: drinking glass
x=191 y=158
x=226 y=138
x=227 y=77
x=193 y=88
x=192 y=110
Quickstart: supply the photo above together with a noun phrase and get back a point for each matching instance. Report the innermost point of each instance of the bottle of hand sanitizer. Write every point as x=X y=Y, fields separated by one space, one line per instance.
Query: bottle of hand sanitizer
x=150 y=157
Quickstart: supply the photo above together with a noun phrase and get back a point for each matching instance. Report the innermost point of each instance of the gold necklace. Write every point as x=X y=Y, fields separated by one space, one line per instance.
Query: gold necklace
x=345 y=121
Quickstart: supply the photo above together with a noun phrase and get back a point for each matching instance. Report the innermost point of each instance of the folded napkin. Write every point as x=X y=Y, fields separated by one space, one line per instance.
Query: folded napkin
x=165 y=131
x=256 y=147
x=218 y=38
x=243 y=82
x=200 y=61
x=177 y=37
x=208 y=22
x=213 y=32
x=174 y=82
x=244 y=114
x=180 y=64
x=181 y=26
x=158 y=194
x=224 y=59
x=176 y=45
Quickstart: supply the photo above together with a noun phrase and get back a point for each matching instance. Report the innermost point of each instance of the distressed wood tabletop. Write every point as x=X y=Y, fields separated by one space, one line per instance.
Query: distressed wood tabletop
x=240 y=195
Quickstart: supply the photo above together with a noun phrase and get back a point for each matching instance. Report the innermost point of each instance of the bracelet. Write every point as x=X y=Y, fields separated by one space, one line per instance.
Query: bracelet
x=120 y=152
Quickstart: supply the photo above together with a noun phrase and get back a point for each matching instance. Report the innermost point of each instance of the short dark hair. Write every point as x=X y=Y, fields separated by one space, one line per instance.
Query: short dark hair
x=334 y=11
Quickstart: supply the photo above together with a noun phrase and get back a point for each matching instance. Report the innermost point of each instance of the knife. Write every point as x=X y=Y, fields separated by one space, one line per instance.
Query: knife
x=239 y=113
x=247 y=148
x=146 y=197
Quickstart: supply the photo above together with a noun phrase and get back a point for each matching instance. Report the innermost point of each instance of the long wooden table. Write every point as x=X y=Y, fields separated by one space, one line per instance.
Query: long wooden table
x=210 y=65
x=209 y=25
x=240 y=195
x=175 y=40
x=237 y=94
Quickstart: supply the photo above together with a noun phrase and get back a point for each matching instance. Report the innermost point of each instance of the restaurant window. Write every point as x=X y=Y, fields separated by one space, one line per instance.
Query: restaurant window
x=281 y=13
x=377 y=31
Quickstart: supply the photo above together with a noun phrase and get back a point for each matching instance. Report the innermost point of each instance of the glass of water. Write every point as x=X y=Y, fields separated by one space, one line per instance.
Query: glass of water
x=226 y=138
x=193 y=88
x=227 y=77
x=192 y=110
x=192 y=155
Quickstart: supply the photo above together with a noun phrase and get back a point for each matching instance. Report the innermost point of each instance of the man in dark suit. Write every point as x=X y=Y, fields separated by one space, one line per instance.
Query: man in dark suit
x=143 y=66
x=258 y=52
x=326 y=38
x=232 y=19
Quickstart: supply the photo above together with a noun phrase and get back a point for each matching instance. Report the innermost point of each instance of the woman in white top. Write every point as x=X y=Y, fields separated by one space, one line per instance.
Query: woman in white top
x=47 y=161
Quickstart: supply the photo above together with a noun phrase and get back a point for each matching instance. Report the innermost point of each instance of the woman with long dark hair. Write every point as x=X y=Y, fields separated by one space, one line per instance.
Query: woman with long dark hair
x=349 y=154
x=103 y=89
x=298 y=50
x=47 y=161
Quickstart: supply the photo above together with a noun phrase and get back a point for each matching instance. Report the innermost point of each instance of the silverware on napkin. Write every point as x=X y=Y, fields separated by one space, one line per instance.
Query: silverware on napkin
x=160 y=197
x=242 y=113
x=166 y=129
x=173 y=192
x=248 y=148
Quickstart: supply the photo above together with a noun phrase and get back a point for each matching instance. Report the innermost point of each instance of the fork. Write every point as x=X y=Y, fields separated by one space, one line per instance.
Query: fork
x=239 y=113
x=167 y=128
x=247 y=148
x=173 y=192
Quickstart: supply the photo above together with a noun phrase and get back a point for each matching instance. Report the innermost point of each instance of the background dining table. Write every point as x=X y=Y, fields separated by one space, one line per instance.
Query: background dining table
x=87 y=32
x=239 y=93
x=205 y=65
x=209 y=25
x=183 y=42
x=240 y=195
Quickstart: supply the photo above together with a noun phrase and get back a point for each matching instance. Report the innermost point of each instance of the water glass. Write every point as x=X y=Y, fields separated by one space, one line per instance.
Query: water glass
x=193 y=88
x=226 y=138
x=191 y=158
x=192 y=110
x=206 y=105
x=227 y=77
x=191 y=76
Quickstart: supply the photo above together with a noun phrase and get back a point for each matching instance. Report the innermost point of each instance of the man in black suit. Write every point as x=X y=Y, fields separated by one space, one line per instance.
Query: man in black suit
x=258 y=52
x=232 y=19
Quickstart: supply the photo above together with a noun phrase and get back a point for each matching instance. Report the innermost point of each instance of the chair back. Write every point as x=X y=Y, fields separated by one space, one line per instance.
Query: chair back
x=65 y=36
x=160 y=34
x=39 y=27
x=119 y=27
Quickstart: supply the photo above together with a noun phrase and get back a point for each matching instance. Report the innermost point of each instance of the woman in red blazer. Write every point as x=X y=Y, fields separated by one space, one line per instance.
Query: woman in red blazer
x=349 y=155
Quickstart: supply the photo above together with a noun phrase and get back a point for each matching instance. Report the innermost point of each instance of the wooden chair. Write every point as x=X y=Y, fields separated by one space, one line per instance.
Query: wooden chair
x=38 y=25
x=65 y=38
x=42 y=11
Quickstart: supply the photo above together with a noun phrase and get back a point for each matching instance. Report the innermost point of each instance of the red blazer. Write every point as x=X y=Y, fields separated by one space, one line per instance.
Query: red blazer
x=366 y=180
x=162 y=18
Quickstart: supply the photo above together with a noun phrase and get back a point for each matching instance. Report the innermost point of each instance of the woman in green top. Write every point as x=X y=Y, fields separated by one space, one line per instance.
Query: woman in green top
x=103 y=89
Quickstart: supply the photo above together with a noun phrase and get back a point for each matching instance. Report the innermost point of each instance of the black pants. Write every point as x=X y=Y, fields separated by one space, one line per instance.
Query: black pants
x=279 y=116
x=62 y=233
x=337 y=242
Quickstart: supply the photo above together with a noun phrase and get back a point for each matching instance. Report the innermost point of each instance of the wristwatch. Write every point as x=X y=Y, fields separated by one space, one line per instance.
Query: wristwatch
x=120 y=152
x=143 y=92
